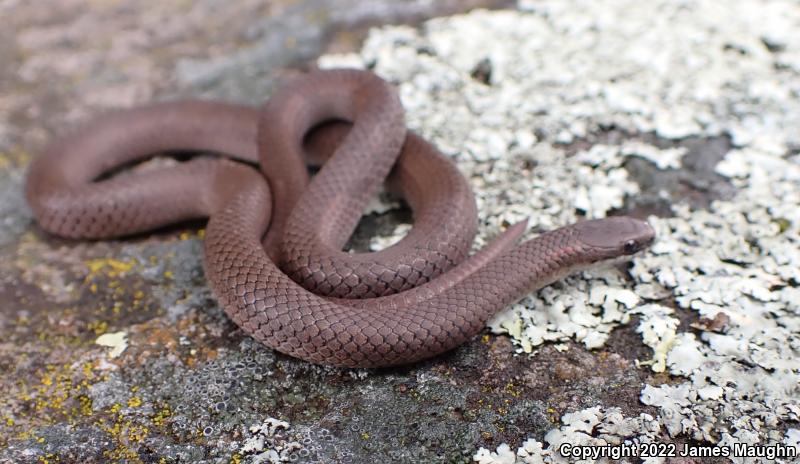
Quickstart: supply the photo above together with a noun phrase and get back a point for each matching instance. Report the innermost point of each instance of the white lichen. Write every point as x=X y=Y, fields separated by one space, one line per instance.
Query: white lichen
x=593 y=427
x=561 y=71
x=503 y=455
x=117 y=341
x=270 y=443
x=658 y=330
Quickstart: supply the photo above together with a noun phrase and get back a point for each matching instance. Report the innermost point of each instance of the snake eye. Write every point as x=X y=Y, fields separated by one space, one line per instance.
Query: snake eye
x=630 y=247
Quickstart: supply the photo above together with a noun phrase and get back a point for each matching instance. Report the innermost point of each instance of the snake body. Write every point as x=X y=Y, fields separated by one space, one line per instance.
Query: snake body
x=273 y=247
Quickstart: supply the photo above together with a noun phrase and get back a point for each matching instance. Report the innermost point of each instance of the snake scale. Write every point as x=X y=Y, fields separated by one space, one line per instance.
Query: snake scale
x=274 y=238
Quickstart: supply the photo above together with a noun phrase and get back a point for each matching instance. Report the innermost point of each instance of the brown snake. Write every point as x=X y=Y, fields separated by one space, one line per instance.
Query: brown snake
x=360 y=121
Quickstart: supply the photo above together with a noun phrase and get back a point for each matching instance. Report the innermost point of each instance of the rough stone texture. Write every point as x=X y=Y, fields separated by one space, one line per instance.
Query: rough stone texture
x=563 y=110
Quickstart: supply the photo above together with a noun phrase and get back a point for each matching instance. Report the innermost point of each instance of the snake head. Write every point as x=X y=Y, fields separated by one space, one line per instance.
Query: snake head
x=614 y=237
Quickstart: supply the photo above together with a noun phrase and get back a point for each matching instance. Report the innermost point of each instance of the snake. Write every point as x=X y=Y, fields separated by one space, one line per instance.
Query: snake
x=274 y=238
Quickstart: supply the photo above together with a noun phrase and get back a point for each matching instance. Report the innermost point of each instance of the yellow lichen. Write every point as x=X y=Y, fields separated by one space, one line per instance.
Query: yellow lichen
x=136 y=433
x=161 y=416
x=46 y=459
x=86 y=405
x=56 y=393
x=16 y=157
x=108 y=266
x=98 y=327
x=512 y=390
x=125 y=433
